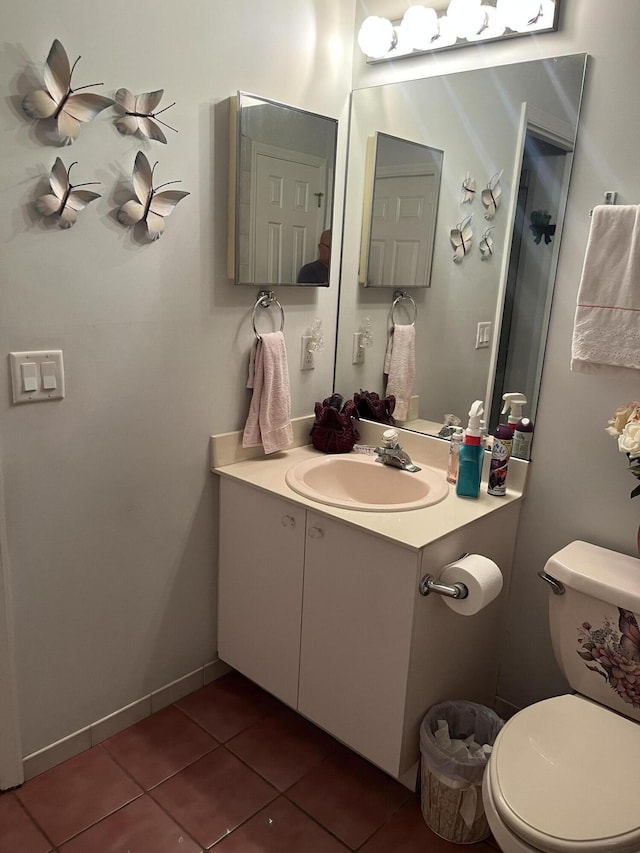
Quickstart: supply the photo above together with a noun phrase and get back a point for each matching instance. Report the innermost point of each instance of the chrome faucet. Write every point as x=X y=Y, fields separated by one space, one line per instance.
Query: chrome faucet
x=394 y=455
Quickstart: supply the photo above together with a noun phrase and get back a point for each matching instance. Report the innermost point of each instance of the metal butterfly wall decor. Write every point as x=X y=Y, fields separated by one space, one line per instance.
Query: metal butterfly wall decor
x=460 y=237
x=58 y=101
x=486 y=245
x=65 y=199
x=151 y=206
x=491 y=196
x=541 y=226
x=139 y=116
x=468 y=189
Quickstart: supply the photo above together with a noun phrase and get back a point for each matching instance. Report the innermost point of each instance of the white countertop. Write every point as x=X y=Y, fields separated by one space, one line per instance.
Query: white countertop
x=412 y=528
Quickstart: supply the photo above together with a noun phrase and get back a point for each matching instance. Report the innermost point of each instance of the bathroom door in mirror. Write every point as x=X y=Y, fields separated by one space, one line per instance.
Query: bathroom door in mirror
x=400 y=208
x=281 y=193
x=516 y=120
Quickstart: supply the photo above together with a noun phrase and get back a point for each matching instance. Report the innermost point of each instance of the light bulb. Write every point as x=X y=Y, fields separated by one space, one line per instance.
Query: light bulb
x=466 y=17
x=376 y=37
x=519 y=15
x=446 y=33
x=419 y=27
x=494 y=25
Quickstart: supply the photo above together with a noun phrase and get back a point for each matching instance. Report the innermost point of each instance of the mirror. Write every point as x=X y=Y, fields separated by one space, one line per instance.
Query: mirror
x=399 y=215
x=281 y=193
x=483 y=321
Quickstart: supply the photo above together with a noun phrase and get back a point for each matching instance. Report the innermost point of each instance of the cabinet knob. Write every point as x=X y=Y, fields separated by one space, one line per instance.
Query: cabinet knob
x=316 y=532
x=288 y=521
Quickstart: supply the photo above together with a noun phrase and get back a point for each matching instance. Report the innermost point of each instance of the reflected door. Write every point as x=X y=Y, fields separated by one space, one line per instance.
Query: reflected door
x=289 y=216
x=400 y=247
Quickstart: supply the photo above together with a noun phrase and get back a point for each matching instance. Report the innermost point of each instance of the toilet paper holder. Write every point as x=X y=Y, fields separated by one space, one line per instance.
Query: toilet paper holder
x=429 y=584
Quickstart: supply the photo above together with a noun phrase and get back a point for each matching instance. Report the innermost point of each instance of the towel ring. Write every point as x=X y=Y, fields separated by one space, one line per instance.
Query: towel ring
x=401 y=296
x=264 y=300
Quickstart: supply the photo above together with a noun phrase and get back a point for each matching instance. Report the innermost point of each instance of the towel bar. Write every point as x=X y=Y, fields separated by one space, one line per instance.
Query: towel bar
x=265 y=299
x=401 y=296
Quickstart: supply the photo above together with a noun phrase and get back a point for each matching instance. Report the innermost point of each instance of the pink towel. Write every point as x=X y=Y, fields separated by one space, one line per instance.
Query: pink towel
x=269 y=419
x=400 y=365
x=606 y=329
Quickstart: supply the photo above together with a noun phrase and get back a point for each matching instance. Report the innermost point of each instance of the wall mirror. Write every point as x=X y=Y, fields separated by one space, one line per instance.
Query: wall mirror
x=281 y=193
x=481 y=326
x=402 y=184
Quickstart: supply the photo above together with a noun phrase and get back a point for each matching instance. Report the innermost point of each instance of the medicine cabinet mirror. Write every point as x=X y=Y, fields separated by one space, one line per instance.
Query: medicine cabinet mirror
x=518 y=119
x=402 y=184
x=281 y=193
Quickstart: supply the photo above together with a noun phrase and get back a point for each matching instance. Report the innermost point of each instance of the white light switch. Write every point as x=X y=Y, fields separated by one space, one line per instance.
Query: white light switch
x=29 y=371
x=37 y=376
x=48 y=373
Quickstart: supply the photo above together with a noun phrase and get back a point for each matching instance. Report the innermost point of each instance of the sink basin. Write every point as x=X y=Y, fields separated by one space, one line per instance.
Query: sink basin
x=357 y=481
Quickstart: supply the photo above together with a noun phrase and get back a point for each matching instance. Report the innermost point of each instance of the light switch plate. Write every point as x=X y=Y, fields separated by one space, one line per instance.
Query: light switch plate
x=483 y=335
x=53 y=373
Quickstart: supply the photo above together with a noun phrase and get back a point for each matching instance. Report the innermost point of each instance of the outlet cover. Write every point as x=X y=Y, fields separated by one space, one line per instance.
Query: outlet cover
x=307 y=356
x=483 y=335
x=357 y=356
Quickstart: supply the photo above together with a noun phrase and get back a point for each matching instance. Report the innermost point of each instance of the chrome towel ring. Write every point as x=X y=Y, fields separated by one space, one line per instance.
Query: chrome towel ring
x=403 y=296
x=265 y=299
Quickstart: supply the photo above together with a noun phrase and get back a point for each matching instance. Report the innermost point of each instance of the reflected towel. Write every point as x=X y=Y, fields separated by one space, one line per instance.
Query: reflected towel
x=606 y=328
x=400 y=367
x=269 y=419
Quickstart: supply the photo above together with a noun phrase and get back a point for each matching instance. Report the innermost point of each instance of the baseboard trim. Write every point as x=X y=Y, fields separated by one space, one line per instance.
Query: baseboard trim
x=93 y=734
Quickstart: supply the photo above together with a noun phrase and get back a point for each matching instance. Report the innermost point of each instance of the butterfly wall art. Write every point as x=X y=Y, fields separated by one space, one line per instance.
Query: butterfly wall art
x=150 y=207
x=65 y=199
x=491 y=196
x=138 y=116
x=59 y=102
x=486 y=245
x=541 y=226
x=460 y=237
x=468 y=189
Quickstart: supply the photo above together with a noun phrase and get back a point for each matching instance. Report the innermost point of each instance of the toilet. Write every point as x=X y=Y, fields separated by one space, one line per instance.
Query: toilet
x=564 y=774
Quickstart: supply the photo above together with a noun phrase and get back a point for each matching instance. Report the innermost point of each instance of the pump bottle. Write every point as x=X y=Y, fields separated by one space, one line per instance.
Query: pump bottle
x=522 y=438
x=471 y=455
x=454 y=450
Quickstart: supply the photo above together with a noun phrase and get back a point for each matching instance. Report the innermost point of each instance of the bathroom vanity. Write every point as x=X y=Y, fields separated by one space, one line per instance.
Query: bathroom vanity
x=320 y=605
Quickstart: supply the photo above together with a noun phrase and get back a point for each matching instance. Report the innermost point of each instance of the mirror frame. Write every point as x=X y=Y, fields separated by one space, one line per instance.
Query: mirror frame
x=238 y=191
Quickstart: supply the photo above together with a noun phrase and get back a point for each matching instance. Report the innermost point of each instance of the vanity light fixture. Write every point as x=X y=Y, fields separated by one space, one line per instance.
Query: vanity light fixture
x=465 y=22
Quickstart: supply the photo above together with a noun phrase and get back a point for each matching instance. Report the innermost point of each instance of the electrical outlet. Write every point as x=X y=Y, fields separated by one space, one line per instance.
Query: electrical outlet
x=358 y=350
x=483 y=335
x=307 y=356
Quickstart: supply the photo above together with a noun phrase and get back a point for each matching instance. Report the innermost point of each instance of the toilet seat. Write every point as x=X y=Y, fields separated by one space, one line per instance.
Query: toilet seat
x=565 y=777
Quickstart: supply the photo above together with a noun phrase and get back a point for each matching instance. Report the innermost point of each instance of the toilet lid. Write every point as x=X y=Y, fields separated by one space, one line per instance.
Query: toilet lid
x=565 y=774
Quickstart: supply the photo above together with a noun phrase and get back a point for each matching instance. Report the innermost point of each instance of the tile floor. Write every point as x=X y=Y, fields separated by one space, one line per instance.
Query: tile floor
x=227 y=767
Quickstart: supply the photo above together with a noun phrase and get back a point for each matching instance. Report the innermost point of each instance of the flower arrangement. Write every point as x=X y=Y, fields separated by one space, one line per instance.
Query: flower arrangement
x=625 y=426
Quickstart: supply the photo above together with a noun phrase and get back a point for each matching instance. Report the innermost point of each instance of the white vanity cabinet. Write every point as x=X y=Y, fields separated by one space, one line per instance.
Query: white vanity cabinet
x=357 y=617
x=327 y=616
x=261 y=559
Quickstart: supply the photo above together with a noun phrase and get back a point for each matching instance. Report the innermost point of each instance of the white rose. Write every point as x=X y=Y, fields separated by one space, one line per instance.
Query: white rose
x=629 y=441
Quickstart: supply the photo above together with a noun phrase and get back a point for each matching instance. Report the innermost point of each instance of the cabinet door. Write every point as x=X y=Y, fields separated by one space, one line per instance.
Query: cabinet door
x=260 y=587
x=358 y=603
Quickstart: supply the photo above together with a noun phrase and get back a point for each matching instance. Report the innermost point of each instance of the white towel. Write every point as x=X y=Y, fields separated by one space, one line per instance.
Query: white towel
x=269 y=419
x=400 y=367
x=606 y=329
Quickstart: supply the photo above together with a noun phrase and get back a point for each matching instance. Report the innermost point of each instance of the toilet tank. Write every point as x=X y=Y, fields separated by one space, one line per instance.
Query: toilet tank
x=594 y=624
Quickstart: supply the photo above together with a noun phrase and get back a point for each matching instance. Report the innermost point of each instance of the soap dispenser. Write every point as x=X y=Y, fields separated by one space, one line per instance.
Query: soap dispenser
x=471 y=455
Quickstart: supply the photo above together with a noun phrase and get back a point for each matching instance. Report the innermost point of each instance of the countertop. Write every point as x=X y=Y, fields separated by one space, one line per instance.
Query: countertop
x=413 y=528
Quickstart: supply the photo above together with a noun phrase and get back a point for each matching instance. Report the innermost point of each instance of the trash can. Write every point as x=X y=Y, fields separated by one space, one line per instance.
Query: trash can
x=455 y=742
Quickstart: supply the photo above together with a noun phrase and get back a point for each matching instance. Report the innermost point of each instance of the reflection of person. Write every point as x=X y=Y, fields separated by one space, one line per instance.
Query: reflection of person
x=317 y=272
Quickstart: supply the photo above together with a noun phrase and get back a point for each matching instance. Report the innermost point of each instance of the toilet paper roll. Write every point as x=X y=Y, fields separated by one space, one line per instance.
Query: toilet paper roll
x=482 y=578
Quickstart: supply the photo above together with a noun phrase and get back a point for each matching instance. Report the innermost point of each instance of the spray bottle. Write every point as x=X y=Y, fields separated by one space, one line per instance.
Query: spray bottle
x=471 y=455
x=500 y=455
x=513 y=403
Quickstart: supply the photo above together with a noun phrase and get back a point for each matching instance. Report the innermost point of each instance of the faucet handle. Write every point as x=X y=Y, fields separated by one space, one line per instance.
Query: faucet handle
x=390 y=437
